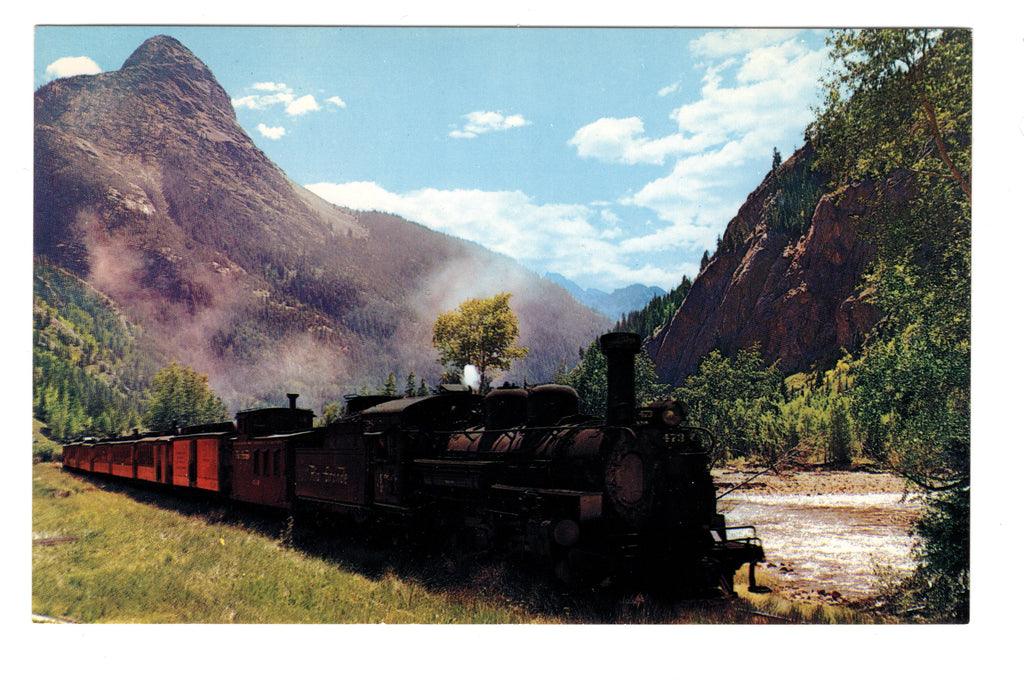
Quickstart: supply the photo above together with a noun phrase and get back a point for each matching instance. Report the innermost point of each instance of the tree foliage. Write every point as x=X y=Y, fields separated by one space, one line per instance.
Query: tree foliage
x=480 y=332
x=89 y=366
x=898 y=106
x=739 y=400
x=897 y=100
x=180 y=395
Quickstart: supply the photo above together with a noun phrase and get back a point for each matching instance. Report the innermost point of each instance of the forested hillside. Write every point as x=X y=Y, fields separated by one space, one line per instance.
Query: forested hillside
x=90 y=367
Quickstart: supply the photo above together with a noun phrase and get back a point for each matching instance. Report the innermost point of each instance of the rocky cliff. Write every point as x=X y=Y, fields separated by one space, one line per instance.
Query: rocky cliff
x=787 y=276
x=147 y=188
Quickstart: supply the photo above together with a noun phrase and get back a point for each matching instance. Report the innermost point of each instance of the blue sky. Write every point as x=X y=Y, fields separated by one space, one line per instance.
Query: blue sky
x=609 y=155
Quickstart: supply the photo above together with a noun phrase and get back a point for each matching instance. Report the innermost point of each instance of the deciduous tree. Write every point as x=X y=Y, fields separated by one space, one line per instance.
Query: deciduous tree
x=480 y=332
x=898 y=105
x=180 y=395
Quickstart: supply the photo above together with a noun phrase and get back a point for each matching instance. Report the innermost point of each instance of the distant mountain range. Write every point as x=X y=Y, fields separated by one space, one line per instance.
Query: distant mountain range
x=148 y=189
x=615 y=304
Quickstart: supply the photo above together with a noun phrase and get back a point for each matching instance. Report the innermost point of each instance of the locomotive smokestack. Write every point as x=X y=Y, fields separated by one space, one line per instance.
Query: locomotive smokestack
x=291 y=400
x=620 y=348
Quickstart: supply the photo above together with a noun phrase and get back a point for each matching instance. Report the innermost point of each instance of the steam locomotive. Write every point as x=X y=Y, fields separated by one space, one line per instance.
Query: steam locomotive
x=628 y=500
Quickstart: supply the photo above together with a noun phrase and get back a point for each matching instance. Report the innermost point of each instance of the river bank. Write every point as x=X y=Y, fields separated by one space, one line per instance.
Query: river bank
x=811 y=482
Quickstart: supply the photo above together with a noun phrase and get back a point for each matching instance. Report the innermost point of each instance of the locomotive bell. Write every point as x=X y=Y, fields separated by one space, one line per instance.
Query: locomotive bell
x=620 y=349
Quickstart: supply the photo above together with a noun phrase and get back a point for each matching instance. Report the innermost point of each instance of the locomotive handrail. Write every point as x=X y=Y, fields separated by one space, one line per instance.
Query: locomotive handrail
x=722 y=534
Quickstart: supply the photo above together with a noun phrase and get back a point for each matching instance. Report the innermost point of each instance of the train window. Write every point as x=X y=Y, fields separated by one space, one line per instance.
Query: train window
x=277 y=463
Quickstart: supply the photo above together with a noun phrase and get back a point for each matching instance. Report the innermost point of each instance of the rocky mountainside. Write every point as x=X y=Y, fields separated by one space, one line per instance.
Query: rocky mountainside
x=786 y=276
x=147 y=188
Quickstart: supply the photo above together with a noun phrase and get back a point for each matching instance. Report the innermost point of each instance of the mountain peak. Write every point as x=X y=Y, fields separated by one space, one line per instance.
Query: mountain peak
x=162 y=51
x=165 y=69
x=147 y=188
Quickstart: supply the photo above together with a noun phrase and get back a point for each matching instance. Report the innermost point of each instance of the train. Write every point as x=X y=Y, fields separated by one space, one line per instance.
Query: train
x=625 y=500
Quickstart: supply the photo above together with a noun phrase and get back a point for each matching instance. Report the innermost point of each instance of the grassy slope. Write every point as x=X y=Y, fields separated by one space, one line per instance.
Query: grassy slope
x=143 y=557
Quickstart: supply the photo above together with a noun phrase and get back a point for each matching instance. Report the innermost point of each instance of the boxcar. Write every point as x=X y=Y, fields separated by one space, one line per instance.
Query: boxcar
x=201 y=461
x=121 y=460
x=151 y=455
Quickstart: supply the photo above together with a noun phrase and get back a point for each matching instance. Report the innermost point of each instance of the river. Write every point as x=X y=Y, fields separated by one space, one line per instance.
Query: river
x=829 y=541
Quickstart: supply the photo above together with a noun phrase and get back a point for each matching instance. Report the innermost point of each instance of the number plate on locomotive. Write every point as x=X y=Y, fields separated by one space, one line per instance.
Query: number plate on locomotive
x=674 y=439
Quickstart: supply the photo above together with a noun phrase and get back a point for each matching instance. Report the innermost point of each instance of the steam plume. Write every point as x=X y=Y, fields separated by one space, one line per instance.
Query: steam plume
x=471 y=377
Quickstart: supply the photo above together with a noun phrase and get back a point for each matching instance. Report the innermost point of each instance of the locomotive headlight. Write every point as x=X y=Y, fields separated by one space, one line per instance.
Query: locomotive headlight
x=663 y=413
x=672 y=415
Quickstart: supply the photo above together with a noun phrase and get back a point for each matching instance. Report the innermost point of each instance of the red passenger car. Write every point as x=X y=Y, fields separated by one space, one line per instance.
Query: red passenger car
x=99 y=458
x=121 y=459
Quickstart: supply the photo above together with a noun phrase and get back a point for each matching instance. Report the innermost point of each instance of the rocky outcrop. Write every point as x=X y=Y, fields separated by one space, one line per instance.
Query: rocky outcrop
x=795 y=290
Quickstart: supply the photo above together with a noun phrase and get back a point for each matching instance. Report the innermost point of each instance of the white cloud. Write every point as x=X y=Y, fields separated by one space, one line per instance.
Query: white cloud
x=261 y=102
x=337 y=101
x=302 y=105
x=72 y=66
x=621 y=140
x=274 y=87
x=271 y=94
x=479 y=122
x=669 y=89
x=738 y=41
x=272 y=132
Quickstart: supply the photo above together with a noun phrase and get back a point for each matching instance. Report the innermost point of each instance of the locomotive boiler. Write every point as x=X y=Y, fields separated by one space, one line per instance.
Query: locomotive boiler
x=626 y=499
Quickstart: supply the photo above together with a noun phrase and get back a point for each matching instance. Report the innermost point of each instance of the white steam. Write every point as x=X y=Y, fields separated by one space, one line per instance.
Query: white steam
x=471 y=377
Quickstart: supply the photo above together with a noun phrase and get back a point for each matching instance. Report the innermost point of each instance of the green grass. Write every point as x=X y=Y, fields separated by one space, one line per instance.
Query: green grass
x=143 y=556
x=137 y=562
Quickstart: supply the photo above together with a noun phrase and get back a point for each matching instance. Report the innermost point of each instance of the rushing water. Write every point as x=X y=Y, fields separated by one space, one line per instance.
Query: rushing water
x=829 y=542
